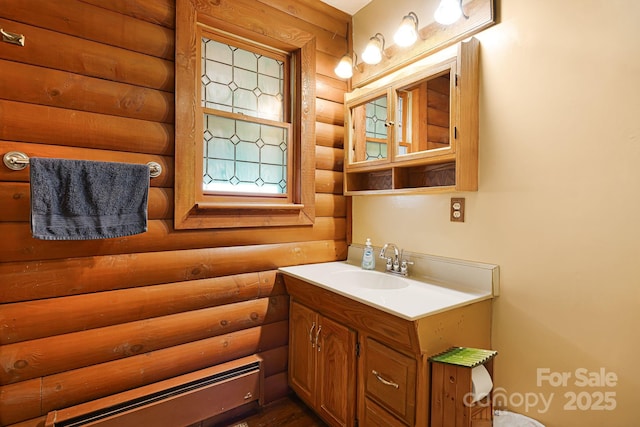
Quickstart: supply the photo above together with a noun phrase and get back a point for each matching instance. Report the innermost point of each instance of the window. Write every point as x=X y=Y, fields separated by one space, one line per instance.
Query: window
x=245 y=124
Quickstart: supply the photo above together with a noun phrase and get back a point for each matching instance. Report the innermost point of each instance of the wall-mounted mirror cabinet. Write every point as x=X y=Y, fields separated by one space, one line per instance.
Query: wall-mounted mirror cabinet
x=416 y=130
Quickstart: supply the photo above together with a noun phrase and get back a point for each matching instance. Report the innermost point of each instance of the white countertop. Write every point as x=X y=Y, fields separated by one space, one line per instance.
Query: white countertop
x=409 y=298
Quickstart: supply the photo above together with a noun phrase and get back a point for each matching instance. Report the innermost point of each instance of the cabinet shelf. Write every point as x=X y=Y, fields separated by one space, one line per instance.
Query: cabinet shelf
x=438 y=177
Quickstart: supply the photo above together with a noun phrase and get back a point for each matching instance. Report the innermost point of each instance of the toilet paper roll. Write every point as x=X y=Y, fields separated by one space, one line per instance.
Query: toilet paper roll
x=481 y=381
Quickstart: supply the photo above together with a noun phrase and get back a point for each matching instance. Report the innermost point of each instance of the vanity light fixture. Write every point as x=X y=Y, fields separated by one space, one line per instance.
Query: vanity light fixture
x=407 y=33
x=375 y=48
x=449 y=11
x=344 y=69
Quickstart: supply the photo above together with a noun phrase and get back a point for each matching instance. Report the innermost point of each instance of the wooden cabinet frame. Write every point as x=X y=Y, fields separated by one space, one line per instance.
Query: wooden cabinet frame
x=450 y=168
x=194 y=208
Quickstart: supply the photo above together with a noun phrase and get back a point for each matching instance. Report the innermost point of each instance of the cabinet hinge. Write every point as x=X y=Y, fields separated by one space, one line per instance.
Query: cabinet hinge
x=455 y=132
x=457 y=75
x=357 y=349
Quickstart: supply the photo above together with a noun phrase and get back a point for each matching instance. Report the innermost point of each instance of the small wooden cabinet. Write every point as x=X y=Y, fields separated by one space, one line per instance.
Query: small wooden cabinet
x=417 y=129
x=322 y=364
x=387 y=382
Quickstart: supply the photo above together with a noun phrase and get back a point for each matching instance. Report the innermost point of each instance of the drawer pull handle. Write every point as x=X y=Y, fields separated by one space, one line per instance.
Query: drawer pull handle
x=383 y=381
x=318 y=337
x=311 y=335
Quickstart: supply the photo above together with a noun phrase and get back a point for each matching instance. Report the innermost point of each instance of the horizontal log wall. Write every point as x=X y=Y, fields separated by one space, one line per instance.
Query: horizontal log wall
x=85 y=319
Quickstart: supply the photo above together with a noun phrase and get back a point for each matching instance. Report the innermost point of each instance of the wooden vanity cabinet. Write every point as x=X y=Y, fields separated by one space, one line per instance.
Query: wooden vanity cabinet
x=385 y=383
x=322 y=364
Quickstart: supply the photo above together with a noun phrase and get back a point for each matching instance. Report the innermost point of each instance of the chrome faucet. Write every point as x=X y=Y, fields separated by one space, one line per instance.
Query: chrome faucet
x=397 y=264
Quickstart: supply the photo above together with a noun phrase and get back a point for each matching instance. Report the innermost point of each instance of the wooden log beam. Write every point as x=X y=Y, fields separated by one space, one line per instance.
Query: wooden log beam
x=15 y=199
x=329 y=135
x=89 y=22
x=329 y=112
x=161 y=12
x=43 y=150
x=334 y=205
x=63 y=89
x=21 y=401
x=326 y=63
x=276 y=386
x=47 y=356
x=160 y=236
x=328 y=158
x=63 y=52
x=25 y=400
x=324 y=19
x=23 y=122
x=246 y=17
x=329 y=182
x=56 y=316
x=330 y=88
x=25 y=281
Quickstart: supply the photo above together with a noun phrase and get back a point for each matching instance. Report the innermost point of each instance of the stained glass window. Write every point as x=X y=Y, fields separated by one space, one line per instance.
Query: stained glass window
x=246 y=133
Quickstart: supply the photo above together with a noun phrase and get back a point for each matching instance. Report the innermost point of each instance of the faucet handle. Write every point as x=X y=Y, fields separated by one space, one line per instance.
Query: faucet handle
x=404 y=266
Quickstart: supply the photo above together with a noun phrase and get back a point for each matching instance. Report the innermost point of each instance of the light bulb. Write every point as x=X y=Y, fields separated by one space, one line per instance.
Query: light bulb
x=407 y=33
x=373 y=52
x=344 y=69
x=448 y=12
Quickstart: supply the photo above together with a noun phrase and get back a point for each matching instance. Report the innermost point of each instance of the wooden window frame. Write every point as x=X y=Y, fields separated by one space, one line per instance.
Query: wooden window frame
x=195 y=209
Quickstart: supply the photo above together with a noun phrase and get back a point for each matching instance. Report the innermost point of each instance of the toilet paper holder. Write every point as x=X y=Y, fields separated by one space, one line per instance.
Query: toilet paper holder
x=461 y=383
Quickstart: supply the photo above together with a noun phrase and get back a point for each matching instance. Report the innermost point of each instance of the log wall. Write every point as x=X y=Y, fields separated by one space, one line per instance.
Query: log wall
x=80 y=320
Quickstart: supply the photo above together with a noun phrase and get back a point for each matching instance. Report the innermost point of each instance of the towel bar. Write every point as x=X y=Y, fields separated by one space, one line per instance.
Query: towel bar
x=16 y=160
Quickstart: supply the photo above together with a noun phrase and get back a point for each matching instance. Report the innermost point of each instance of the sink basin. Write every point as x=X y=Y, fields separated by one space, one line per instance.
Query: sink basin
x=368 y=279
x=407 y=297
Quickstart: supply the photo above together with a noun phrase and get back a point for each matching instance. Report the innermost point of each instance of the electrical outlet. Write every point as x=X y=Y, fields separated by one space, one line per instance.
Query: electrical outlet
x=457 y=209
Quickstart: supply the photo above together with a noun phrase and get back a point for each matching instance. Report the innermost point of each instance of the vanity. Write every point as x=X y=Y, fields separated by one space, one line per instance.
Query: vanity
x=359 y=340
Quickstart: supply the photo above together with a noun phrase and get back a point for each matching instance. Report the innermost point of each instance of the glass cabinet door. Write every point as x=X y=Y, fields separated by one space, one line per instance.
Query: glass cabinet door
x=369 y=133
x=423 y=115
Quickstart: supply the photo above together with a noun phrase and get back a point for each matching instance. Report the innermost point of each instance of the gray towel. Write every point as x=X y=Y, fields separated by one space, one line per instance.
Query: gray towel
x=84 y=200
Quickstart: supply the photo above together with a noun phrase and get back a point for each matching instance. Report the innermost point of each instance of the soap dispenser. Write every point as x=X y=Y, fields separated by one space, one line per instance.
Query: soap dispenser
x=368 y=259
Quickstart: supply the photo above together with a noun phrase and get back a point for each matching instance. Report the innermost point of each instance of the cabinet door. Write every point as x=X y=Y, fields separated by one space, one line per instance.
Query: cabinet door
x=336 y=373
x=303 y=327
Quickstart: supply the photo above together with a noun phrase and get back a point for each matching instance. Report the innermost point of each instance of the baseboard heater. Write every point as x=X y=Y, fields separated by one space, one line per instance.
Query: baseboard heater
x=179 y=401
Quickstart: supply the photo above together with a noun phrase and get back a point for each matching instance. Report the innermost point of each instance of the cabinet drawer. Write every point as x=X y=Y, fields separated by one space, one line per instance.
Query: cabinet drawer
x=375 y=416
x=390 y=379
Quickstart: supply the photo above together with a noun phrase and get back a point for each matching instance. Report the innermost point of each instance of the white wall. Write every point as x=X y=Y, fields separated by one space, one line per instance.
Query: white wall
x=558 y=206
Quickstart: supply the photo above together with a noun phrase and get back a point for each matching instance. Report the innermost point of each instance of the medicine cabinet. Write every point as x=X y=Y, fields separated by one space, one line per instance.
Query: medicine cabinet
x=416 y=130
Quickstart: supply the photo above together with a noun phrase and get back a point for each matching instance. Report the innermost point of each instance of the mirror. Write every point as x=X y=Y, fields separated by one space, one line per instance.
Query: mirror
x=423 y=115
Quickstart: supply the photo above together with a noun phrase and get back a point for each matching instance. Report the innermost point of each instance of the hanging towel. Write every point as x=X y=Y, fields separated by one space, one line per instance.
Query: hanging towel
x=85 y=200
